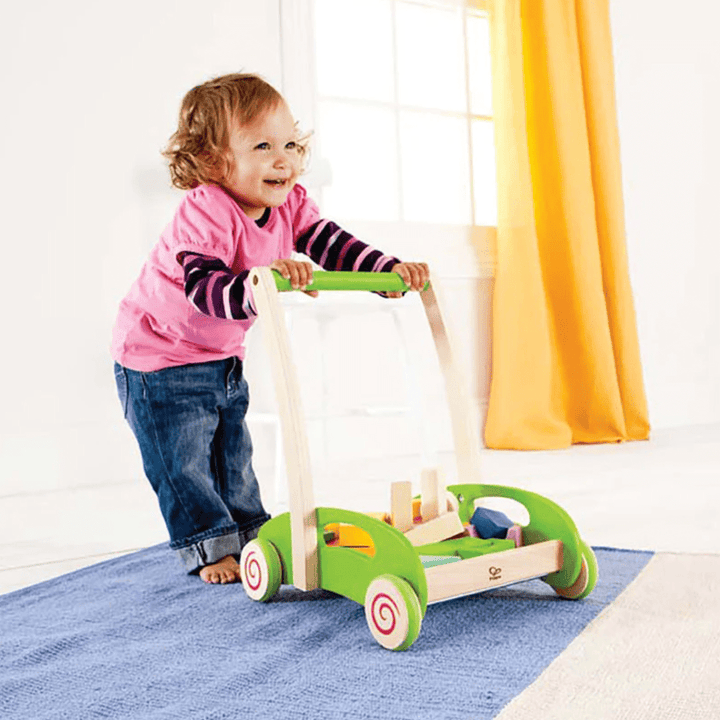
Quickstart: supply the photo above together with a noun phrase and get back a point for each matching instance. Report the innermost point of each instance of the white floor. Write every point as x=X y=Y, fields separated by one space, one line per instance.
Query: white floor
x=663 y=494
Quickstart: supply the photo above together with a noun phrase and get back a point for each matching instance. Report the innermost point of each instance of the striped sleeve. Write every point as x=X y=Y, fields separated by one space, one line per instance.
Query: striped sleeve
x=213 y=289
x=332 y=248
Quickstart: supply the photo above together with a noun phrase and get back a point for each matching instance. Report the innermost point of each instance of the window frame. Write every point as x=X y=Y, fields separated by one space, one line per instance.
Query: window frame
x=454 y=251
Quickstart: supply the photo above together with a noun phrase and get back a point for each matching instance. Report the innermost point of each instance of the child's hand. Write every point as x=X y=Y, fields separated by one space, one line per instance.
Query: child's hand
x=299 y=273
x=414 y=275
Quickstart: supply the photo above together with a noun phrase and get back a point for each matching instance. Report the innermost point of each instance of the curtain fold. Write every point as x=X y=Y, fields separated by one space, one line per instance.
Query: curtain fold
x=566 y=360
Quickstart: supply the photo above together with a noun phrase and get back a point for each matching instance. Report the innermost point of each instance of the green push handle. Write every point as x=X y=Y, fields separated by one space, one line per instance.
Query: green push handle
x=367 y=281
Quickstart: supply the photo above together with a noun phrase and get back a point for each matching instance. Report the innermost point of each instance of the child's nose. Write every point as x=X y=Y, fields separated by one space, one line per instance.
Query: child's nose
x=282 y=158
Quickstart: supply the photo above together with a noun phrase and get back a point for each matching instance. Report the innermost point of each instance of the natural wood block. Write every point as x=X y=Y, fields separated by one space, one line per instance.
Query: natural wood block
x=435 y=530
x=382 y=516
x=429 y=507
x=401 y=505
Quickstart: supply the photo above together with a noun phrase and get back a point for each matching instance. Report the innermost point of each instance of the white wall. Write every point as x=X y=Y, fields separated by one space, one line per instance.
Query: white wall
x=667 y=62
x=90 y=91
x=90 y=94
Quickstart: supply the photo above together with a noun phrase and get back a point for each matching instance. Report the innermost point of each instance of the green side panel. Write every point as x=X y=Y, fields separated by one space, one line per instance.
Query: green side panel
x=346 y=571
x=349 y=572
x=548 y=521
x=367 y=281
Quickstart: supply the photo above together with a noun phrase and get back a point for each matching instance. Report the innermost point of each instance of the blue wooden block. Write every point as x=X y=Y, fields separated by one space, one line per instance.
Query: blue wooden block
x=490 y=523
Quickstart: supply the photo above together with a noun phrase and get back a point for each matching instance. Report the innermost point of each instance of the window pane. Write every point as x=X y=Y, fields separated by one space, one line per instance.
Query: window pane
x=479 y=70
x=435 y=168
x=431 y=65
x=484 y=179
x=354 y=45
x=360 y=143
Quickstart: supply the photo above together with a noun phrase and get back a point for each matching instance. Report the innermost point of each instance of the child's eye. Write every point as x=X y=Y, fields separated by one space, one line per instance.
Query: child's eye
x=292 y=145
x=263 y=146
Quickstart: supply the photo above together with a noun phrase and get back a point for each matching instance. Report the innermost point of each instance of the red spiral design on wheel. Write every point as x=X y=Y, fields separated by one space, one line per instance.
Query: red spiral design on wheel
x=253 y=571
x=384 y=609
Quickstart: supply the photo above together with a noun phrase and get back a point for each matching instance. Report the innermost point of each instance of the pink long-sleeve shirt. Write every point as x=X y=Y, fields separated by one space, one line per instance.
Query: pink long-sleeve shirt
x=161 y=323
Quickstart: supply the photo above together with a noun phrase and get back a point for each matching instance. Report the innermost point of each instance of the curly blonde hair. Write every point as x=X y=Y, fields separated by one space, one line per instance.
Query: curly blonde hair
x=198 y=150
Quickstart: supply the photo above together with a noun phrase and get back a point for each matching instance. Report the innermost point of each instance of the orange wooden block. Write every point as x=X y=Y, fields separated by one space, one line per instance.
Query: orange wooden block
x=352 y=536
x=417 y=515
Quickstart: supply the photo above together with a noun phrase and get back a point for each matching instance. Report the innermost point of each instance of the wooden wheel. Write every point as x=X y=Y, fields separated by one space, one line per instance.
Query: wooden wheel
x=587 y=578
x=260 y=570
x=393 y=612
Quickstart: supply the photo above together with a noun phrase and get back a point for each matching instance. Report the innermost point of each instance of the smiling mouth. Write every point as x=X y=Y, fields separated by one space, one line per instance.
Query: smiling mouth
x=276 y=183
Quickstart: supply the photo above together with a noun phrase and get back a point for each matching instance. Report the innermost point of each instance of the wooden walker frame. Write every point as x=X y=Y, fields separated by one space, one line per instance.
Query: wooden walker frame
x=392 y=583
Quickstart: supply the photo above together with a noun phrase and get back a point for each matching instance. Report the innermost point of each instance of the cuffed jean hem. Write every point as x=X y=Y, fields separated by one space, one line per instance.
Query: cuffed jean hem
x=209 y=550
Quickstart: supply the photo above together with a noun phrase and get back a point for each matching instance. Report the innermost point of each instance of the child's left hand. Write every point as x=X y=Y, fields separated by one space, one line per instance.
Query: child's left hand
x=414 y=275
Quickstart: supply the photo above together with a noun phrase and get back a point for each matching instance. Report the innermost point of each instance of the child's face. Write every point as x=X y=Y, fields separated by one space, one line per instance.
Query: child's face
x=265 y=161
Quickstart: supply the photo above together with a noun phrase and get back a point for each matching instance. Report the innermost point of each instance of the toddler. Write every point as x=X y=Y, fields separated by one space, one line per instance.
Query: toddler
x=178 y=341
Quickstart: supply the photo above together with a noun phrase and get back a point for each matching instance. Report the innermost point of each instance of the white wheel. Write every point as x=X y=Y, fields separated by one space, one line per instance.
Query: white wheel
x=393 y=612
x=260 y=570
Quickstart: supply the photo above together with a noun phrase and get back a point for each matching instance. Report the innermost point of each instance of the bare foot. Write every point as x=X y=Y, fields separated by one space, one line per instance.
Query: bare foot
x=223 y=571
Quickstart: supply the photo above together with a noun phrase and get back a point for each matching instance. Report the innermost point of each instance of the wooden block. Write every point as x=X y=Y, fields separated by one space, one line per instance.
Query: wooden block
x=352 y=536
x=382 y=516
x=515 y=534
x=490 y=523
x=433 y=560
x=429 y=494
x=442 y=492
x=417 y=517
x=439 y=528
x=401 y=505
x=329 y=536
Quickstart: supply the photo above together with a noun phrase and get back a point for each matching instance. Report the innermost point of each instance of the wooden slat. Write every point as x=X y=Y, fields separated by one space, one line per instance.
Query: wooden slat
x=466 y=441
x=494 y=570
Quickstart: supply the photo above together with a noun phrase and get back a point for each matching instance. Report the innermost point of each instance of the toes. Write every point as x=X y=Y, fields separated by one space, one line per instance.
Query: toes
x=224 y=572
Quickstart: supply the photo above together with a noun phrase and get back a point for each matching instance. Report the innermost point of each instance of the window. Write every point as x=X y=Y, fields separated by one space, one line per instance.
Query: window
x=403 y=111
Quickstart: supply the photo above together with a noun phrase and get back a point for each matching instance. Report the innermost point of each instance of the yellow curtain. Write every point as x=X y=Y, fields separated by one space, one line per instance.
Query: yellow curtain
x=566 y=361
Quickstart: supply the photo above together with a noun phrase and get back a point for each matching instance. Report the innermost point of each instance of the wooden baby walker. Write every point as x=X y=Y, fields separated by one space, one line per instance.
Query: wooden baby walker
x=426 y=549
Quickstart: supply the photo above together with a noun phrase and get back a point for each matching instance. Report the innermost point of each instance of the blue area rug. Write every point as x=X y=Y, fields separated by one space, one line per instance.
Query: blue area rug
x=135 y=638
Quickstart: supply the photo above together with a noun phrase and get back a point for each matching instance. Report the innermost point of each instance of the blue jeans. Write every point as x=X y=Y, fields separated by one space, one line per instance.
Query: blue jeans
x=190 y=424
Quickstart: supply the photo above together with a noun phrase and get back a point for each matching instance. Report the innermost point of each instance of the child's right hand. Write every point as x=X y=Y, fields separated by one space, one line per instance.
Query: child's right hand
x=298 y=272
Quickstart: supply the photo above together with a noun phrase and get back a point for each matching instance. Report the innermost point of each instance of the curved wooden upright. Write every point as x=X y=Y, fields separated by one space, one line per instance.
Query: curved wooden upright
x=465 y=436
x=303 y=521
